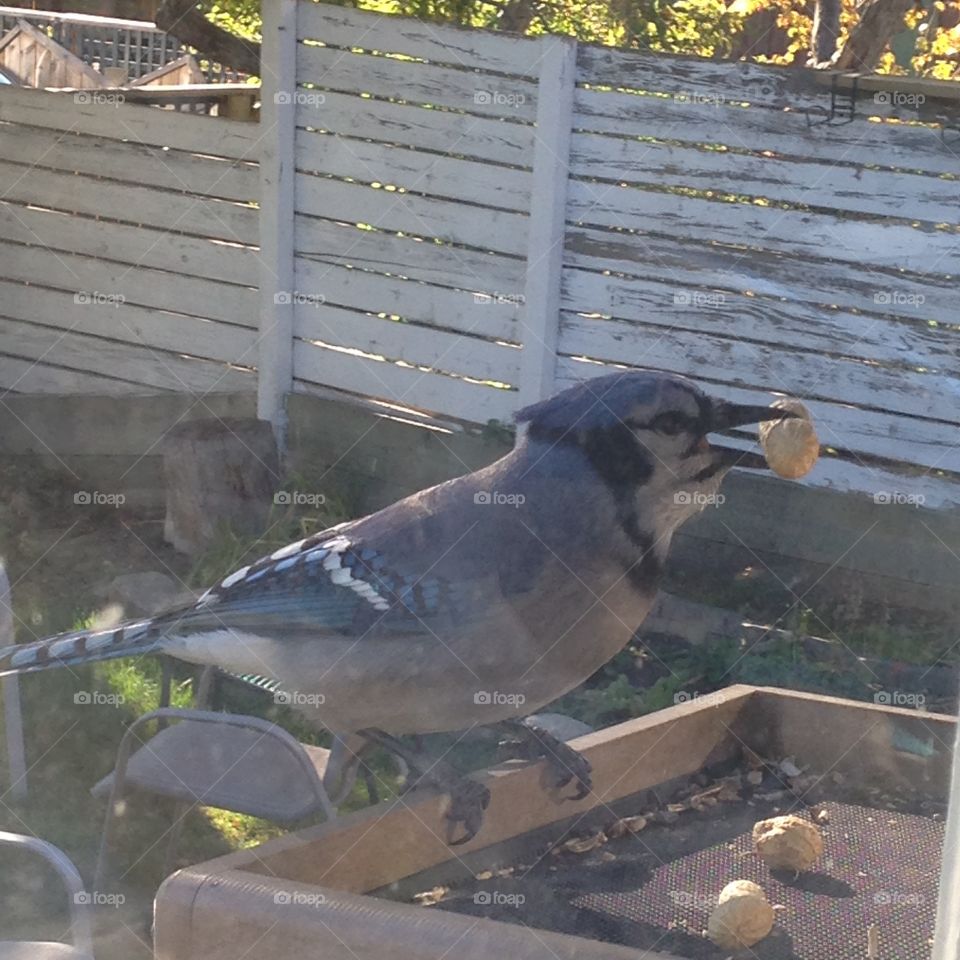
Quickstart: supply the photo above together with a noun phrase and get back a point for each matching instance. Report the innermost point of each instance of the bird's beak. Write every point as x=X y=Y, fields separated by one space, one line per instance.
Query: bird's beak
x=725 y=416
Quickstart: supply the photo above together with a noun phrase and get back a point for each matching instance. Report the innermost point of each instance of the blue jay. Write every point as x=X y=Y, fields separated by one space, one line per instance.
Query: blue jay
x=476 y=601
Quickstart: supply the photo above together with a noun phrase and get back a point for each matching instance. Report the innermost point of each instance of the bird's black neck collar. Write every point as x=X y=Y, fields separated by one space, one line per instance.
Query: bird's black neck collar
x=624 y=466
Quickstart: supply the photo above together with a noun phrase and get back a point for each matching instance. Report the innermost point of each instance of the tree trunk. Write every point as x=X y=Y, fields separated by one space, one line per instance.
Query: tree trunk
x=826 y=31
x=190 y=26
x=218 y=473
x=879 y=21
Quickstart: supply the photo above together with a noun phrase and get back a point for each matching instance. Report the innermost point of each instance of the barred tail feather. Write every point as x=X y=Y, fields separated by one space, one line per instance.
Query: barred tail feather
x=82 y=646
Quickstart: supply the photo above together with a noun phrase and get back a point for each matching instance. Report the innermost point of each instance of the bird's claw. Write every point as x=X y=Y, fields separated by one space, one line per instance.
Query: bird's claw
x=468 y=800
x=564 y=764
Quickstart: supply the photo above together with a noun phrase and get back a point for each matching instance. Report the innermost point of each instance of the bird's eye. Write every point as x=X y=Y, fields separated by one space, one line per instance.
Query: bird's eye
x=670 y=424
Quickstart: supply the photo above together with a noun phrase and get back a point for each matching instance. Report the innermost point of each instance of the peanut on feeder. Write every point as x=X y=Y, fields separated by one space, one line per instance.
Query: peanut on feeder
x=788 y=843
x=790 y=446
x=742 y=916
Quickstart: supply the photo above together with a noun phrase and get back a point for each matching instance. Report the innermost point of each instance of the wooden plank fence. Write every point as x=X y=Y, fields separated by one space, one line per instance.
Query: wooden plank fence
x=128 y=247
x=456 y=222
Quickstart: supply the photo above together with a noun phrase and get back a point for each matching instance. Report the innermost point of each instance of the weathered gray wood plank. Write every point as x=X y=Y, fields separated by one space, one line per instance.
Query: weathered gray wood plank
x=809 y=182
x=404 y=386
x=123 y=121
x=495 y=230
x=146 y=369
x=759 y=365
x=414 y=82
x=863 y=143
x=822 y=282
x=464 y=181
x=94 y=313
x=130 y=245
x=466 y=134
x=422 y=346
x=794 y=232
x=131 y=162
x=437 y=42
x=323 y=241
x=142 y=205
x=493 y=316
x=140 y=285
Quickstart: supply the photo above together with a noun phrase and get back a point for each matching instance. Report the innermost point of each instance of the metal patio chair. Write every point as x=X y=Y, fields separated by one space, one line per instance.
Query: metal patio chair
x=200 y=757
x=80 y=910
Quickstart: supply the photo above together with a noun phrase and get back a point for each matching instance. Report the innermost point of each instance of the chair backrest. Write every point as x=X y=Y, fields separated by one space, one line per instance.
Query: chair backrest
x=79 y=900
x=239 y=763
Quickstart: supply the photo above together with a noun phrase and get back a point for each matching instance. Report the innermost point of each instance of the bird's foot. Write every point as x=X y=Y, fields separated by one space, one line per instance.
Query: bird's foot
x=468 y=799
x=564 y=764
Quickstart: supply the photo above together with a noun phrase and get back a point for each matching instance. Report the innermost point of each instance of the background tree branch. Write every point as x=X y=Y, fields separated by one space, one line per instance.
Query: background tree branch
x=188 y=24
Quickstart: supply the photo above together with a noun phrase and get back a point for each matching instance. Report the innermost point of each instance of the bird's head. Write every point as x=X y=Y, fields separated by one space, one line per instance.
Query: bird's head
x=645 y=434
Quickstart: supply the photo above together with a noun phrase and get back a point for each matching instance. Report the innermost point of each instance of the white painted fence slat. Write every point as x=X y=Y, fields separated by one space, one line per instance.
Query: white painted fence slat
x=421 y=346
x=466 y=134
x=796 y=232
x=403 y=385
x=486 y=229
x=878 y=192
x=495 y=316
x=323 y=241
x=156 y=208
x=95 y=314
x=769 y=320
x=491 y=96
x=130 y=245
x=910 y=147
x=138 y=285
x=132 y=163
x=124 y=121
x=463 y=181
x=857 y=286
x=438 y=42
x=138 y=369
x=755 y=364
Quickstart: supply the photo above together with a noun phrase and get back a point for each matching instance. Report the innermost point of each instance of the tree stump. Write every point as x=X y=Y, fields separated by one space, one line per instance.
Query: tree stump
x=218 y=473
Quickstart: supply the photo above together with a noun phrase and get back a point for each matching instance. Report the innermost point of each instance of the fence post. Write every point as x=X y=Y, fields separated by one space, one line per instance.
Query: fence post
x=548 y=203
x=278 y=109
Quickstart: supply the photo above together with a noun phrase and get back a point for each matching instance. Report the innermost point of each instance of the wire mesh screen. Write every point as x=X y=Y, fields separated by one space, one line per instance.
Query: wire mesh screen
x=655 y=890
